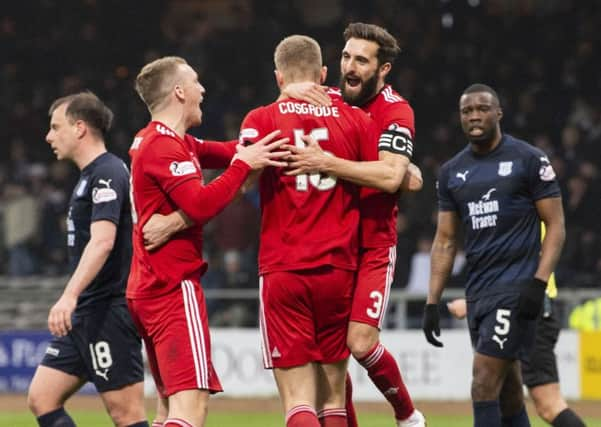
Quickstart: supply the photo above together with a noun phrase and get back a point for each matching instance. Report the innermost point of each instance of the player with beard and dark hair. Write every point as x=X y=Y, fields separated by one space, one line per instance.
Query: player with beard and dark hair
x=366 y=60
x=500 y=188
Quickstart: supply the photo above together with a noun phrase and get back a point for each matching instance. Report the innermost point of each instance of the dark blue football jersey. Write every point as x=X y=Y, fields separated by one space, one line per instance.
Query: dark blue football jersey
x=102 y=193
x=494 y=196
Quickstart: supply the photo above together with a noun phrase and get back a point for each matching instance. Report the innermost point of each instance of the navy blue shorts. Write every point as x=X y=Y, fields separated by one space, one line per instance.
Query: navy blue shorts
x=103 y=347
x=540 y=367
x=496 y=330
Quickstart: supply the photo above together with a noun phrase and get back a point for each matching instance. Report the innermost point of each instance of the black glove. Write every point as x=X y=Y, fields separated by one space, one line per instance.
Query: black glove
x=431 y=324
x=531 y=299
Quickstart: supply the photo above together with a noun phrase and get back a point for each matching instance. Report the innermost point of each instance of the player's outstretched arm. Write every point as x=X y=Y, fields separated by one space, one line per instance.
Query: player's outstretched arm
x=444 y=248
x=159 y=228
x=201 y=203
x=309 y=92
x=385 y=174
x=102 y=239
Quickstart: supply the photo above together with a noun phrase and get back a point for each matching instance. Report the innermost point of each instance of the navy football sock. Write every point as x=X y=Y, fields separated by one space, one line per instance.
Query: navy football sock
x=139 y=424
x=56 y=418
x=487 y=413
x=567 y=418
x=518 y=420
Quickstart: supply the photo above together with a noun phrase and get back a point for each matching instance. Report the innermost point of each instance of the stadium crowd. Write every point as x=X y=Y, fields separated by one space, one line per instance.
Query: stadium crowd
x=540 y=55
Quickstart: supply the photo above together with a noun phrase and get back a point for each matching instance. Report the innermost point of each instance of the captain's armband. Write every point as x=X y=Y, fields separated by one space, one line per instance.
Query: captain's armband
x=396 y=142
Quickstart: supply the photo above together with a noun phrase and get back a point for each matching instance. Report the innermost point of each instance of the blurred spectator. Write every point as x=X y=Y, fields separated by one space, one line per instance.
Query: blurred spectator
x=20 y=227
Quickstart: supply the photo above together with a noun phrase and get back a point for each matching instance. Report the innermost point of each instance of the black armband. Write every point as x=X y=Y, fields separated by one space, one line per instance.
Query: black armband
x=396 y=142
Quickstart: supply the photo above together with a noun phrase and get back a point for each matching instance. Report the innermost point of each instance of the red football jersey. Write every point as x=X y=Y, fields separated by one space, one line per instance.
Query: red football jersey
x=311 y=220
x=162 y=166
x=378 y=209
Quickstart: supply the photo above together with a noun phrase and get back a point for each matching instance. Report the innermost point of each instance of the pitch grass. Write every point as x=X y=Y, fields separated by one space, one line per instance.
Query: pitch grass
x=220 y=419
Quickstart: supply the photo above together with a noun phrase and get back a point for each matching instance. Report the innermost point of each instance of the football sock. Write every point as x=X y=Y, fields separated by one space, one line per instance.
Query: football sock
x=140 y=424
x=385 y=374
x=302 y=416
x=176 y=422
x=333 y=418
x=351 y=416
x=567 y=418
x=487 y=413
x=517 y=420
x=56 y=418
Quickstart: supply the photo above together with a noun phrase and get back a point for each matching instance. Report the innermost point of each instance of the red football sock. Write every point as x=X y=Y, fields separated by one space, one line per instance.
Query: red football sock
x=351 y=416
x=302 y=416
x=385 y=374
x=176 y=422
x=333 y=418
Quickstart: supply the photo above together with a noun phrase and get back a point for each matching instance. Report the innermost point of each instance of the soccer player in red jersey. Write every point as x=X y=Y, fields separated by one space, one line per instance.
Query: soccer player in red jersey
x=309 y=244
x=366 y=61
x=163 y=291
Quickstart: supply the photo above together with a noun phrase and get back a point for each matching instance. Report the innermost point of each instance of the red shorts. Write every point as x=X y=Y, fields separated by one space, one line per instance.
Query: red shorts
x=175 y=330
x=372 y=291
x=304 y=316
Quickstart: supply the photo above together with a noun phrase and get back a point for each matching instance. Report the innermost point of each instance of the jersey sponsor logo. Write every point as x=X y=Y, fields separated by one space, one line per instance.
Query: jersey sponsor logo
x=52 y=351
x=247 y=135
x=505 y=168
x=462 y=175
x=483 y=213
x=136 y=144
x=81 y=187
x=182 y=168
x=546 y=172
x=164 y=131
x=103 y=195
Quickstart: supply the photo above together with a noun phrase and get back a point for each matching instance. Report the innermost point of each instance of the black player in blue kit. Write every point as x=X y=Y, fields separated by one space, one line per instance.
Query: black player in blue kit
x=499 y=188
x=95 y=338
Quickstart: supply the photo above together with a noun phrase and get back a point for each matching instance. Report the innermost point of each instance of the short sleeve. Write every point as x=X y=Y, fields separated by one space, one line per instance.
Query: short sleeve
x=398 y=116
x=110 y=191
x=542 y=180
x=445 y=198
x=168 y=163
x=251 y=128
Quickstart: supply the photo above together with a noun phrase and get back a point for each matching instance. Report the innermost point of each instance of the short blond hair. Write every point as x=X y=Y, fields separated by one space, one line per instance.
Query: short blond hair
x=298 y=57
x=155 y=80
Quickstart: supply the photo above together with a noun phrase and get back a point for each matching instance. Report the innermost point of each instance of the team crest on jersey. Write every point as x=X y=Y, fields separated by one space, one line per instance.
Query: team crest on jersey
x=182 y=168
x=103 y=194
x=505 y=168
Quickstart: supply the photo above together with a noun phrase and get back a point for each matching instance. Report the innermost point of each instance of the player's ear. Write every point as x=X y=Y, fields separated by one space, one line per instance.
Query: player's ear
x=385 y=69
x=279 y=78
x=80 y=128
x=499 y=114
x=178 y=90
x=324 y=74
